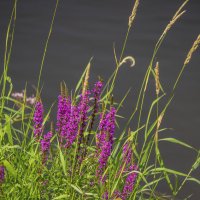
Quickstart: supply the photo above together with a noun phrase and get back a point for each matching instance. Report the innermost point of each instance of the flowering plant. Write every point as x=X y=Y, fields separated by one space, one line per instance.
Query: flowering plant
x=87 y=155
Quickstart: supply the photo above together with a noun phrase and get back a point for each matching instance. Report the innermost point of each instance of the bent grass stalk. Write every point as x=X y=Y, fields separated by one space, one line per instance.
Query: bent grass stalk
x=22 y=158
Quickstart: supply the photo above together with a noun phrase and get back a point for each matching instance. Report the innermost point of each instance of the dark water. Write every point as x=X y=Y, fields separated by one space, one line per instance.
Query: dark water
x=89 y=28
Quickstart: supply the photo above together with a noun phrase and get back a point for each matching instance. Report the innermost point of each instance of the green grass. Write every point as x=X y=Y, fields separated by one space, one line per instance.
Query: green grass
x=26 y=177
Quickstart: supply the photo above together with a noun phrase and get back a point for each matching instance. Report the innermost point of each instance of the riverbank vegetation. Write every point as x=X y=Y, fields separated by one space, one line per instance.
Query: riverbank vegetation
x=82 y=153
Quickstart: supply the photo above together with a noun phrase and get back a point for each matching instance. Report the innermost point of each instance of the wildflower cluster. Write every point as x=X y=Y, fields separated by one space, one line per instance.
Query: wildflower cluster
x=130 y=181
x=63 y=116
x=45 y=145
x=74 y=118
x=105 y=139
x=38 y=130
x=38 y=119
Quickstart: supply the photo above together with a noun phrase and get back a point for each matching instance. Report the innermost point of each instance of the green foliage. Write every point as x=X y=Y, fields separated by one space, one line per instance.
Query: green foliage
x=26 y=177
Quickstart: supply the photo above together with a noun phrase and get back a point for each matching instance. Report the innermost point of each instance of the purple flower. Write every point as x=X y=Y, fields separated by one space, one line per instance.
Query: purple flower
x=70 y=130
x=127 y=153
x=38 y=119
x=97 y=91
x=2 y=173
x=105 y=141
x=45 y=145
x=63 y=115
x=130 y=182
x=111 y=124
x=107 y=125
x=46 y=141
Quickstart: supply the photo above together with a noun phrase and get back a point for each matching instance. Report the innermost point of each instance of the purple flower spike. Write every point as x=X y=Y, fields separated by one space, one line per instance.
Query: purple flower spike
x=127 y=153
x=45 y=142
x=45 y=146
x=107 y=125
x=70 y=130
x=2 y=173
x=111 y=124
x=130 y=182
x=38 y=119
x=63 y=115
x=83 y=108
x=97 y=91
x=105 y=141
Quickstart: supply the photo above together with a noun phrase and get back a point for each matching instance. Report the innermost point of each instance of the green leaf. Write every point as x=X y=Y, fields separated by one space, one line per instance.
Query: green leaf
x=91 y=194
x=63 y=196
x=10 y=168
x=163 y=169
x=6 y=147
x=76 y=188
x=62 y=159
x=11 y=85
x=7 y=129
x=194 y=180
x=173 y=140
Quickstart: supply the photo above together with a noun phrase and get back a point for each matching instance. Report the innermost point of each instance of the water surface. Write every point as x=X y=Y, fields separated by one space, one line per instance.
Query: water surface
x=89 y=28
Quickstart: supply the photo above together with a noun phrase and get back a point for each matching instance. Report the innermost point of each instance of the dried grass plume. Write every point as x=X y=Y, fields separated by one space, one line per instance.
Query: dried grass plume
x=157 y=78
x=192 y=50
x=133 y=14
x=85 y=83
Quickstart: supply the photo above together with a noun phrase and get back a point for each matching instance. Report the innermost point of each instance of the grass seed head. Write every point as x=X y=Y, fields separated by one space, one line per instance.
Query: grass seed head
x=192 y=50
x=133 y=14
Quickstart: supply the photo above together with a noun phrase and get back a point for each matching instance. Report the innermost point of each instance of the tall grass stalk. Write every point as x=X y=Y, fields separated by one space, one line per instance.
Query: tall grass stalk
x=82 y=157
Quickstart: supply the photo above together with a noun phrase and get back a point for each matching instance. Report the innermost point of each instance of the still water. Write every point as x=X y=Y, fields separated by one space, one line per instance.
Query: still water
x=86 y=28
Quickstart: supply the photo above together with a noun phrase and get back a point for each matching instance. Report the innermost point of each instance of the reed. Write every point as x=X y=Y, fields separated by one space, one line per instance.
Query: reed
x=86 y=155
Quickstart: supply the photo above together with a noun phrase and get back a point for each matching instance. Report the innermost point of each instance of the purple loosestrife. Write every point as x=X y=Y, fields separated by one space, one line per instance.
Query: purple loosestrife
x=63 y=115
x=127 y=153
x=2 y=174
x=111 y=124
x=97 y=90
x=71 y=128
x=45 y=145
x=38 y=119
x=129 y=182
x=96 y=93
x=105 y=141
x=107 y=125
x=83 y=108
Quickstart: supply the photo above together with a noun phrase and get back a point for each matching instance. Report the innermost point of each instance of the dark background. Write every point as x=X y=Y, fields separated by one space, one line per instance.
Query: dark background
x=86 y=28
